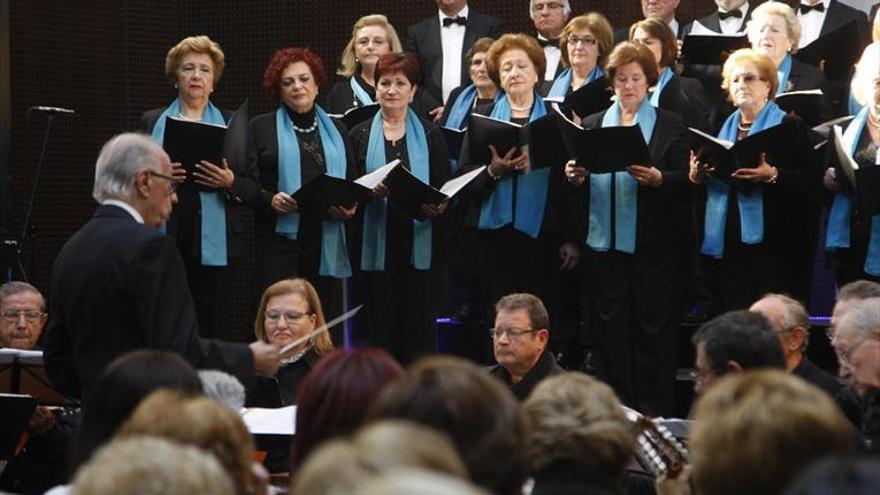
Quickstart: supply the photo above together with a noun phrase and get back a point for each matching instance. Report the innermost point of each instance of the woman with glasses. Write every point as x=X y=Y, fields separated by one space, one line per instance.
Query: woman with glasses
x=852 y=237
x=205 y=223
x=755 y=236
x=585 y=43
x=289 y=310
x=632 y=263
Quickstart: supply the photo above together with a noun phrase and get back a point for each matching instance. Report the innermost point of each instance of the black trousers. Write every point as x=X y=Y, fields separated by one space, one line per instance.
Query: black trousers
x=635 y=318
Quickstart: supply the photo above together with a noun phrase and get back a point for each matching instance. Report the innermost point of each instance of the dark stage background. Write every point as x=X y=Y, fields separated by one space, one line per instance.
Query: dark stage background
x=105 y=59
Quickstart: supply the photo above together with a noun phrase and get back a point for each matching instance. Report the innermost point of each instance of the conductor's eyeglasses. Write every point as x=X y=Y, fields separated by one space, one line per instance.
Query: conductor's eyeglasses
x=173 y=183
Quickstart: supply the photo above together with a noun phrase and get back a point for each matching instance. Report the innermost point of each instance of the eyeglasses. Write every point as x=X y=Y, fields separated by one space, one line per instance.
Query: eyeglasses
x=29 y=315
x=586 y=40
x=173 y=183
x=512 y=333
x=745 y=79
x=537 y=7
x=275 y=316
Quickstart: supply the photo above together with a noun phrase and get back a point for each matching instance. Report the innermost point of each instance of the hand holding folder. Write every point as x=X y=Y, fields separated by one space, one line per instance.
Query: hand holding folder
x=422 y=201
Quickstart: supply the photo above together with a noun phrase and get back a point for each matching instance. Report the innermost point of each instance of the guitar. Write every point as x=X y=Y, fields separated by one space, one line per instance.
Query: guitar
x=657 y=448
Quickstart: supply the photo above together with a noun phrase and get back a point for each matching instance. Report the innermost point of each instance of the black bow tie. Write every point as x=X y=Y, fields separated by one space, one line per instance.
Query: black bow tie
x=733 y=13
x=804 y=8
x=546 y=43
x=460 y=20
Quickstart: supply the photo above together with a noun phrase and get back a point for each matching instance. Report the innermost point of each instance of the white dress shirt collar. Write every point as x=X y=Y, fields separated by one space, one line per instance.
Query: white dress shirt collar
x=673 y=25
x=461 y=13
x=125 y=206
x=811 y=24
x=733 y=25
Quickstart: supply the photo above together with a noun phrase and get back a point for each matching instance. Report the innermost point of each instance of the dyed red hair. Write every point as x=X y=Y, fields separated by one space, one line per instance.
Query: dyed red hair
x=405 y=63
x=286 y=56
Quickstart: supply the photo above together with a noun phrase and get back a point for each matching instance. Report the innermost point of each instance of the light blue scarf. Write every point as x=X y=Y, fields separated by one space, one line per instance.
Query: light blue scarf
x=212 y=203
x=840 y=216
x=334 y=256
x=562 y=83
x=751 y=205
x=665 y=77
x=531 y=192
x=783 y=73
x=376 y=212
x=625 y=193
x=360 y=93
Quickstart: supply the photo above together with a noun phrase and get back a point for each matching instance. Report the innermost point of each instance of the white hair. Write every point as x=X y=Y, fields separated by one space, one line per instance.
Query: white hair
x=223 y=387
x=862 y=318
x=121 y=158
x=867 y=69
x=566 y=7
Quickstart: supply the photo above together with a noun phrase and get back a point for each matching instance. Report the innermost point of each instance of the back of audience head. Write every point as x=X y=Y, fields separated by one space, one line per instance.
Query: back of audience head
x=756 y=432
x=201 y=422
x=851 y=293
x=840 y=475
x=142 y=465
x=22 y=315
x=576 y=422
x=409 y=481
x=223 y=387
x=791 y=322
x=480 y=415
x=857 y=344
x=735 y=342
x=341 y=465
x=127 y=380
x=334 y=396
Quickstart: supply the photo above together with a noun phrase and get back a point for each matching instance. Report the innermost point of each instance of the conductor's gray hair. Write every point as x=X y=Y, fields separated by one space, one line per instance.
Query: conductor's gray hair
x=121 y=158
x=565 y=6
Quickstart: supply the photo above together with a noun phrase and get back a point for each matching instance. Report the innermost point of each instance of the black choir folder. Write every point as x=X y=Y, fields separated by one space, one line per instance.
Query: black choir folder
x=863 y=181
x=541 y=137
x=356 y=115
x=409 y=193
x=188 y=143
x=805 y=104
x=835 y=53
x=590 y=98
x=324 y=191
x=711 y=49
x=454 y=140
x=784 y=144
x=604 y=149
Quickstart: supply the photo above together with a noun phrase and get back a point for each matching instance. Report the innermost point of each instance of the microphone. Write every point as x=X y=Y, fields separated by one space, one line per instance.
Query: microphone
x=51 y=110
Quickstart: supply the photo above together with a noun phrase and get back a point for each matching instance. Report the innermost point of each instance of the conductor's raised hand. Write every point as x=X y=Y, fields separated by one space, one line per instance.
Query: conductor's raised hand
x=267 y=357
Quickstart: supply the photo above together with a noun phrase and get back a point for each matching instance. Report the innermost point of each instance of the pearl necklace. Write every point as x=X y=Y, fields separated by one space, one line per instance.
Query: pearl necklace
x=520 y=109
x=188 y=119
x=308 y=129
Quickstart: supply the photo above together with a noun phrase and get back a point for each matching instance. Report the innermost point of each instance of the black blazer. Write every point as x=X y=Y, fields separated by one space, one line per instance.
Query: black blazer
x=423 y=40
x=686 y=97
x=839 y=14
x=263 y=157
x=659 y=222
x=118 y=286
x=622 y=34
x=341 y=98
x=187 y=209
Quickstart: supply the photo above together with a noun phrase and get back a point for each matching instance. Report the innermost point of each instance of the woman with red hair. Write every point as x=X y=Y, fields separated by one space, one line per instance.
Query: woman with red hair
x=290 y=146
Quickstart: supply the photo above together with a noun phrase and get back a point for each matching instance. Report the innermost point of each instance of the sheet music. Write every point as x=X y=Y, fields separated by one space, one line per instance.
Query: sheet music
x=265 y=421
x=372 y=179
x=451 y=187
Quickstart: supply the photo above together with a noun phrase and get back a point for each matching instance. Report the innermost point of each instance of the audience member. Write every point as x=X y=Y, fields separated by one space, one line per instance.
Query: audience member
x=151 y=466
x=407 y=482
x=340 y=466
x=223 y=387
x=22 y=315
x=840 y=475
x=334 y=397
x=519 y=342
x=791 y=323
x=732 y=343
x=657 y=9
x=475 y=410
x=578 y=440
x=204 y=423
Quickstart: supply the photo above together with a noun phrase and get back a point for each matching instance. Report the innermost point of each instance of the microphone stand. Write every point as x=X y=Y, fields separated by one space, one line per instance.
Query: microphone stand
x=30 y=208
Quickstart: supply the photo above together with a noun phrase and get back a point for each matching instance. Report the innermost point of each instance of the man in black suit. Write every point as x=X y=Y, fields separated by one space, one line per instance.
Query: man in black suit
x=820 y=17
x=659 y=9
x=119 y=284
x=440 y=43
x=791 y=322
x=730 y=17
x=550 y=17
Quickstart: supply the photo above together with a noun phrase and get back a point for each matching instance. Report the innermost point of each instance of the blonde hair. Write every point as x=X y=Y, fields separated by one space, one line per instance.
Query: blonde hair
x=755 y=432
x=301 y=286
x=598 y=25
x=201 y=422
x=194 y=44
x=792 y=25
x=348 y=63
x=766 y=68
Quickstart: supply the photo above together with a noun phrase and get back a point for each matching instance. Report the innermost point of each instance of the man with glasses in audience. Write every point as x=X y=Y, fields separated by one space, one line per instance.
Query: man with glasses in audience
x=519 y=342
x=22 y=315
x=791 y=322
x=119 y=284
x=550 y=17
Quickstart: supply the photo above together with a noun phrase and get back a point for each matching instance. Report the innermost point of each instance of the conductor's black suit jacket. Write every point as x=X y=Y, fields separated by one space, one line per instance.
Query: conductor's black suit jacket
x=117 y=286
